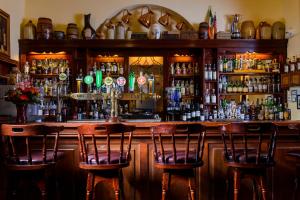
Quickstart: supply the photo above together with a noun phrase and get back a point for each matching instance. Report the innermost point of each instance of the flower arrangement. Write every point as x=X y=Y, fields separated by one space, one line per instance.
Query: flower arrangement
x=23 y=96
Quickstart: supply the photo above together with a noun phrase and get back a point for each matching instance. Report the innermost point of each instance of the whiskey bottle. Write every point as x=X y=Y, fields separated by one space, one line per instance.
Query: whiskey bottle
x=79 y=83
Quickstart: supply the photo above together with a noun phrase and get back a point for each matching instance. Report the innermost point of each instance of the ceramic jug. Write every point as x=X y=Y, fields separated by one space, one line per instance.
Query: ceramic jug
x=248 y=30
x=88 y=32
x=29 y=31
x=120 y=31
x=265 y=31
x=154 y=32
x=278 y=30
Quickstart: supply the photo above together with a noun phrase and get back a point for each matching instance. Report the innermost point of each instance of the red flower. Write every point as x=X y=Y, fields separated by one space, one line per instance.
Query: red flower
x=24 y=97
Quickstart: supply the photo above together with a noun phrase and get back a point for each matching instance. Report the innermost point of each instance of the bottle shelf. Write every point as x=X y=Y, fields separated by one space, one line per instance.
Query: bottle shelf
x=183 y=76
x=210 y=81
x=252 y=93
x=247 y=73
x=210 y=104
x=42 y=76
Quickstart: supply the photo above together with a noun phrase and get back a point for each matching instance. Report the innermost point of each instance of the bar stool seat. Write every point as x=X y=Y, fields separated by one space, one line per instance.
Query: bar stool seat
x=245 y=155
x=178 y=161
x=104 y=165
x=295 y=129
x=22 y=161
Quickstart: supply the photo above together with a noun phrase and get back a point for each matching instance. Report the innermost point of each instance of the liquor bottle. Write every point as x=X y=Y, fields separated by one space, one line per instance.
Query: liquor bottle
x=202 y=117
x=213 y=96
x=206 y=113
x=183 y=69
x=115 y=68
x=79 y=114
x=121 y=69
x=205 y=72
x=172 y=70
x=108 y=68
x=191 y=88
x=198 y=113
x=182 y=88
x=183 y=113
x=64 y=111
x=79 y=82
x=197 y=67
x=220 y=62
x=197 y=89
x=193 y=112
x=187 y=88
x=102 y=68
x=286 y=66
x=287 y=112
x=178 y=69
x=280 y=110
x=209 y=72
x=207 y=97
x=292 y=64
x=214 y=72
x=188 y=112
x=225 y=64
x=298 y=63
x=215 y=112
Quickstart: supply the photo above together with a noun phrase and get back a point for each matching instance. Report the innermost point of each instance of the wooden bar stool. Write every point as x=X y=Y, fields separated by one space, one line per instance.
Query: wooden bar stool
x=172 y=159
x=104 y=165
x=293 y=128
x=249 y=151
x=29 y=152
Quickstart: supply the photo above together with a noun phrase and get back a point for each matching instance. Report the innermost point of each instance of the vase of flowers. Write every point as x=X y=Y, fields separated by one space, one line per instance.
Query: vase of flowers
x=21 y=97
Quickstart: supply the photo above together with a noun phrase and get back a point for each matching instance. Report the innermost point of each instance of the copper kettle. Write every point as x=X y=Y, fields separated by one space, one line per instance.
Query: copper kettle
x=164 y=19
x=146 y=19
x=125 y=18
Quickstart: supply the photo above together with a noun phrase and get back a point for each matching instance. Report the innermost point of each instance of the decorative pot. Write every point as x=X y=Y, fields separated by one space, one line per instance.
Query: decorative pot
x=248 y=30
x=88 y=32
x=265 y=31
x=44 y=28
x=278 y=30
x=21 y=113
x=72 y=31
x=29 y=31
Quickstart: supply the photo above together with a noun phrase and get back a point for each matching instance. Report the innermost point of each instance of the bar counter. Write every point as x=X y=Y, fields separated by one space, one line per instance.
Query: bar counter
x=143 y=181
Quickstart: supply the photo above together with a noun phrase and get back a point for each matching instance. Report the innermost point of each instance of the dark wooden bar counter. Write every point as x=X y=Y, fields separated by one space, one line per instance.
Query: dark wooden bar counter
x=143 y=181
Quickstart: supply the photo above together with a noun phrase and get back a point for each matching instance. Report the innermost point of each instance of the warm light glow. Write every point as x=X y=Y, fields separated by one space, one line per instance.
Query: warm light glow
x=49 y=53
x=146 y=61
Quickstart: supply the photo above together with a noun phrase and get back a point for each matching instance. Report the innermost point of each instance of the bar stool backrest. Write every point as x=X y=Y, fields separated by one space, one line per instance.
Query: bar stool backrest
x=245 y=142
x=16 y=135
x=95 y=131
x=160 y=134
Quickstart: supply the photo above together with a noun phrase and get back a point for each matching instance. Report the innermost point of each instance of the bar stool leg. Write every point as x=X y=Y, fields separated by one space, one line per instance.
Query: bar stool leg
x=192 y=186
x=42 y=186
x=121 y=181
x=263 y=187
x=165 y=184
x=255 y=189
x=296 y=182
x=116 y=187
x=236 y=183
x=89 y=186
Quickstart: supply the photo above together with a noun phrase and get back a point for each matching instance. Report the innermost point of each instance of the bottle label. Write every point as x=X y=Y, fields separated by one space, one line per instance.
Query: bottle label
x=183 y=117
x=213 y=99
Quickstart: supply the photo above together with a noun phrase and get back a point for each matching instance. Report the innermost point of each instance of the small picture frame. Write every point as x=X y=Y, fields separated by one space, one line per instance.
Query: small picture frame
x=298 y=102
x=4 y=34
x=293 y=95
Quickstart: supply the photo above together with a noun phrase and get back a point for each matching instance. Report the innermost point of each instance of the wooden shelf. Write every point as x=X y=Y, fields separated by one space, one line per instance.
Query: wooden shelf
x=245 y=93
x=210 y=104
x=42 y=76
x=210 y=81
x=183 y=76
x=248 y=73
